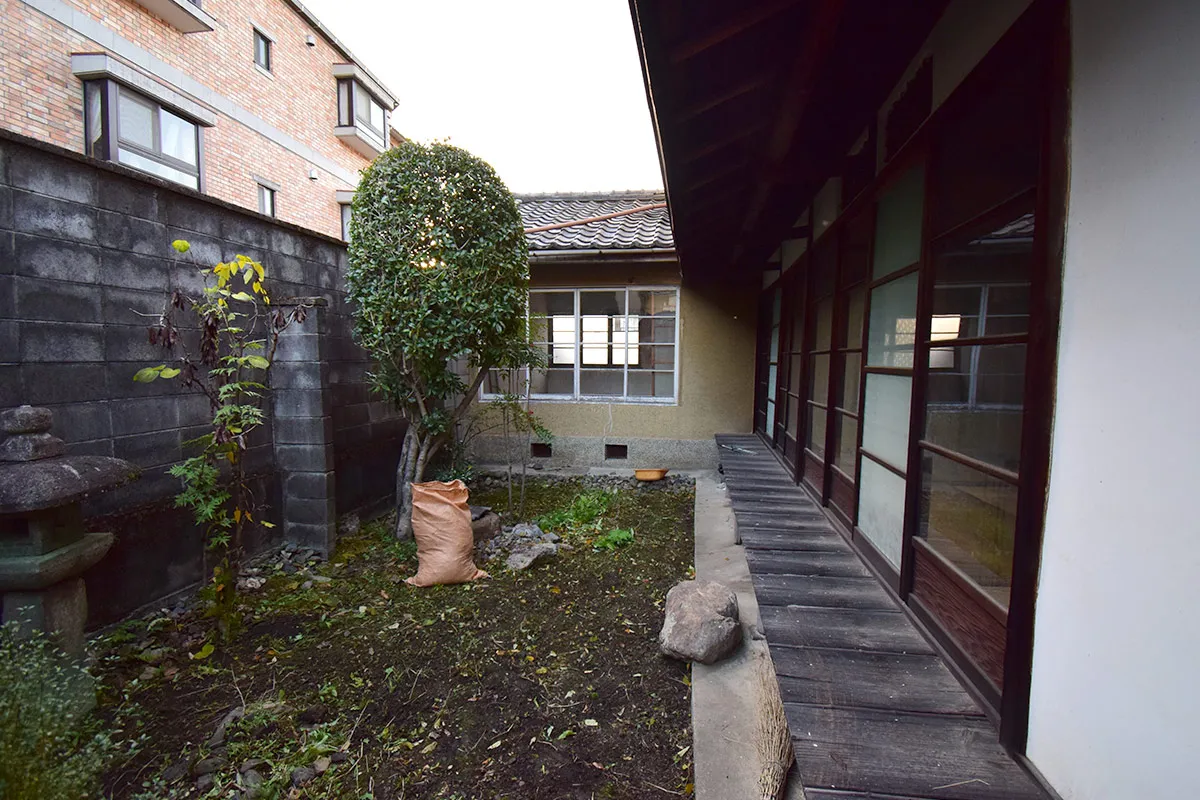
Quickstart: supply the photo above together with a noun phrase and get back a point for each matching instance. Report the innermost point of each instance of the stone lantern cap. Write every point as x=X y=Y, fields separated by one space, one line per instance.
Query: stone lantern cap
x=36 y=473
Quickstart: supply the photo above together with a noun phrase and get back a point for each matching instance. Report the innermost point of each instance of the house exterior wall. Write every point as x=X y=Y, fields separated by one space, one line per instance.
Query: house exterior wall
x=276 y=126
x=716 y=379
x=1114 y=699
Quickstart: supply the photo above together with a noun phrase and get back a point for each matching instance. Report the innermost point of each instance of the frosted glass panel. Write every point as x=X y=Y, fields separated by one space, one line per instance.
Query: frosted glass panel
x=893 y=325
x=885 y=421
x=881 y=509
x=898 y=224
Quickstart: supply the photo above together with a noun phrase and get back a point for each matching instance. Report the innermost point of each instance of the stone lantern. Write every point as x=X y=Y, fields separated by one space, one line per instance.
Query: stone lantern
x=43 y=549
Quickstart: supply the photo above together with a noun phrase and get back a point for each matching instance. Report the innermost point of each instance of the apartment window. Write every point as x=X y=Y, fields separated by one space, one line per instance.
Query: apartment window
x=346 y=212
x=358 y=107
x=601 y=344
x=128 y=127
x=262 y=50
x=266 y=199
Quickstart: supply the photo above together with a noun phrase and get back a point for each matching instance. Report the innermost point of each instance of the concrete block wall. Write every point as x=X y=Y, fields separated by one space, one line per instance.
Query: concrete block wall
x=85 y=266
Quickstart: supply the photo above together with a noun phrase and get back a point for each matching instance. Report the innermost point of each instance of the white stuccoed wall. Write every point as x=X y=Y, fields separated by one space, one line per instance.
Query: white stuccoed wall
x=1115 y=706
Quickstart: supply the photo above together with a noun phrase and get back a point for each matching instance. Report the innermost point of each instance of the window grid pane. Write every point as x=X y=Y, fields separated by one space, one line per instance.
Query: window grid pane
x=605 y=343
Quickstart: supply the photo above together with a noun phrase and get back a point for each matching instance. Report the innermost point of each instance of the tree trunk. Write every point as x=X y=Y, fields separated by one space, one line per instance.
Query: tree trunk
x=405 y=477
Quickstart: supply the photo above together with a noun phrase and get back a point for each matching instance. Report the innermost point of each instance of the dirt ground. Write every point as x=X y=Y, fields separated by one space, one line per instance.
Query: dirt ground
x=544 y=683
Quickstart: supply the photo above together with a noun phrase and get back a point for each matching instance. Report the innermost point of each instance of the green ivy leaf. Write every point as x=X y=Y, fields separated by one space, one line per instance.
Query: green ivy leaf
x=149 y=373
x=169 y=372
x=182 y=245
x=258 y=361
x=204 y=652
x=245 y=298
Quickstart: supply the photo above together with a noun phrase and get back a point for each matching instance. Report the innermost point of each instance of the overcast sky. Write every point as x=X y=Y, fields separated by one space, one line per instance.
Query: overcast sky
x=549 y=92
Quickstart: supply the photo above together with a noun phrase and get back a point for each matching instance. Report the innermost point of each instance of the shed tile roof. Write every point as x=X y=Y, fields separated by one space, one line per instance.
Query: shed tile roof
x=642 y=230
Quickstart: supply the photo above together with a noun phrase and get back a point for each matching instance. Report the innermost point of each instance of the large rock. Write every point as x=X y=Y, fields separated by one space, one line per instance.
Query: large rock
x=526 y=557
x=702 y=622
x=486 y=526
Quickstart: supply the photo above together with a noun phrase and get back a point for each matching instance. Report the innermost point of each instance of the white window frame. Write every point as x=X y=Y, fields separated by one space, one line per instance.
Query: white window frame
x=577 y=366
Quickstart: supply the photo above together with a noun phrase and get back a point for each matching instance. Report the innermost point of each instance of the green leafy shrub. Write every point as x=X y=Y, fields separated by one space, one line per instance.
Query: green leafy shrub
x=50 y=748
x=239 y=333
x=583 y=514
x=615 y=538
x=438 y=275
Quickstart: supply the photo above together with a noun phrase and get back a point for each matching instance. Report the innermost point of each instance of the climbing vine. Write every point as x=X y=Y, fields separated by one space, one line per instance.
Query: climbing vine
x=238 y=334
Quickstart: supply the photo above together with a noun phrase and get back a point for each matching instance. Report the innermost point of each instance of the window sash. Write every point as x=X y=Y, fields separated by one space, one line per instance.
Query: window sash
x=262 y=50
x=565 y=341
x=155 y=153
x=266 y=200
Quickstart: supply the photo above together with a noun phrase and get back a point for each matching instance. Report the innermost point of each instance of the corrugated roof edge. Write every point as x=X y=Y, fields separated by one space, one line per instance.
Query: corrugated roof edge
x=345 y=51
x=614 y=195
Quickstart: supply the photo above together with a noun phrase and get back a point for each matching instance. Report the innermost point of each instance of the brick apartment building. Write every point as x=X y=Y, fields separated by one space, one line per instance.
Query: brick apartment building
x=253 y=102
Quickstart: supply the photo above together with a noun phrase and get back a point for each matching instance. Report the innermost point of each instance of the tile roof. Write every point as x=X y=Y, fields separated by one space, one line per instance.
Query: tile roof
x=641 y=230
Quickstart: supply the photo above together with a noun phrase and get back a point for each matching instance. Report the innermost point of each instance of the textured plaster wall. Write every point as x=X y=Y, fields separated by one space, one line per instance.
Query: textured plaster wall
x=40 y=97
x=1115 y=703
x=716 y=352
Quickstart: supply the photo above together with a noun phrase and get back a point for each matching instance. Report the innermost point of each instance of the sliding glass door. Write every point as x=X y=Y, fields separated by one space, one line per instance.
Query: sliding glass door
x=888 y=373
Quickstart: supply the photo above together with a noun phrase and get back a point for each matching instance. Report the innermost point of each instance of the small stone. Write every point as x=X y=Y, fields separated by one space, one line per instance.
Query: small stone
x=153 y=655
x=177 y=771
x=290 y=547
x=322 y=578
x=313 y=715
x=306 y=585
x=209 y=765
x=349 y=525
x=218 y=737
x=251 y=779
x=525 y=558
x=551 y=536
x=322 y=764
x=26 y=419
x=251 y=764
x=289 y=568
x=486 y=527
x=205 y=783
x=701 y=622
x=337 y=757
x=302 y=775
x=528 y=530
x=31 y=447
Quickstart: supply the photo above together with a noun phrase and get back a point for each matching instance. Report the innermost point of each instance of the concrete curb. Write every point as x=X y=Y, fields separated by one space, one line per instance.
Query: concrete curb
x=724 y=705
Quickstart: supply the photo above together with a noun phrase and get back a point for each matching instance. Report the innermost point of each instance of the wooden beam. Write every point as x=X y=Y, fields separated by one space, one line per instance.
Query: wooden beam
x=717 y=100
x=748 y=18
x=730 y=169
x=811 y=53
x=725 y=141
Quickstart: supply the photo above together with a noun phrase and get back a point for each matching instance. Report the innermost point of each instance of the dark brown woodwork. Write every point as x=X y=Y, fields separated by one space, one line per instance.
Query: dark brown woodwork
x=732 y=93
x=1040 y=370
x=797 y=89
x=750 y=15
x=999 y=473
x=962 y=615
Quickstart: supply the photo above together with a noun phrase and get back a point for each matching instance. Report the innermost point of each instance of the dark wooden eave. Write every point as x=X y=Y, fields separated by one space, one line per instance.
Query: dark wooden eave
x=755 y=104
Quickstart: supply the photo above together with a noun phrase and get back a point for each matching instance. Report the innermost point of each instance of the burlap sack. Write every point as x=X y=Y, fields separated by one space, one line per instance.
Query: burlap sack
x=441 y=521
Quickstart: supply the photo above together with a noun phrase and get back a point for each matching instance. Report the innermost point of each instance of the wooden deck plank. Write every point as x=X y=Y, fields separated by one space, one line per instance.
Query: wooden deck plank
x=863 y=679
x=797 y=521
x=815 y=539
x=846 y=629
x=821 y=592
x=843 y=564
x=948 y=758
x=874 y=711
